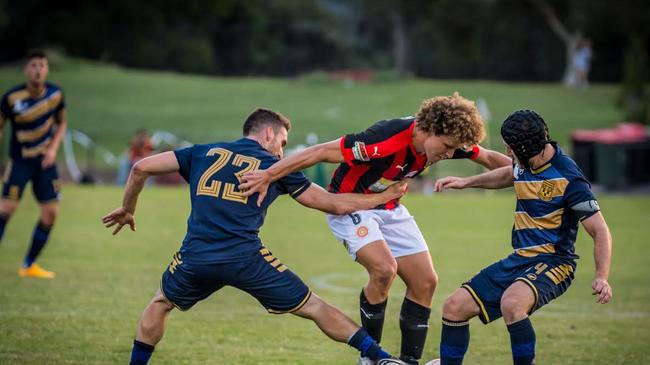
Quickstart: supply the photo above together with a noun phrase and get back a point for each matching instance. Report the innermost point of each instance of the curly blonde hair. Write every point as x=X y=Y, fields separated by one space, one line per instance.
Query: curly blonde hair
x=452 y=116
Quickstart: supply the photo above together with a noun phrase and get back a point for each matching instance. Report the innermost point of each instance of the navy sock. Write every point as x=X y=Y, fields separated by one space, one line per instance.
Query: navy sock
x=3 y=222
x=368 y=347
x=372 y=316
x=522 y=342
x=141 y=353
x=453 y=342
x=414 y=324
x=39 y=239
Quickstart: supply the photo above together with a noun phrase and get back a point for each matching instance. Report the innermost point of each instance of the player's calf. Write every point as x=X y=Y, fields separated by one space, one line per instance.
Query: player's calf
x=457 y=310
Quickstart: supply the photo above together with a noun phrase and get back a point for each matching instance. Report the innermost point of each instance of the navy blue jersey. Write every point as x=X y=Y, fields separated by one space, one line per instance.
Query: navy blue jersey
x=551 y=200
x=224 y=225
x=32 y=119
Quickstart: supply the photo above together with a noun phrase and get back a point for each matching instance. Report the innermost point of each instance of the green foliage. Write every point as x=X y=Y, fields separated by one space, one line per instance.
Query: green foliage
x=634 y=97
x=88 y=314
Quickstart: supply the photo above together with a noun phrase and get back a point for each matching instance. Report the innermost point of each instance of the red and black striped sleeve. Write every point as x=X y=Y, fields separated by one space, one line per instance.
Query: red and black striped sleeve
x=382 y=139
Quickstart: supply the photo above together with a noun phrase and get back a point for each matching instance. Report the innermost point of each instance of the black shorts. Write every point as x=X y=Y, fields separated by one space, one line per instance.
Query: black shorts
x=548 y=276
x=45 y=182
x=262 y=275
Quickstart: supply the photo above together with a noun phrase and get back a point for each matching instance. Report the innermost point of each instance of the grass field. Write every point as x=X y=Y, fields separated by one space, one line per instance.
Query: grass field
x=88 y=314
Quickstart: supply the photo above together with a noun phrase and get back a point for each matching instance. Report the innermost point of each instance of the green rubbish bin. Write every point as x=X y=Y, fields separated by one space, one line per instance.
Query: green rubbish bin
x=611 y=162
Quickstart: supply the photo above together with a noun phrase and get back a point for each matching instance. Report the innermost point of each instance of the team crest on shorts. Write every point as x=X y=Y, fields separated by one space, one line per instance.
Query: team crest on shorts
x=546 y=191
x=362 y=231
x=531 y=277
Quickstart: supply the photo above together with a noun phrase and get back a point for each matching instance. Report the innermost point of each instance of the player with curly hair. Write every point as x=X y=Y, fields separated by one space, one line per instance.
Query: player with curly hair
x=385 y=240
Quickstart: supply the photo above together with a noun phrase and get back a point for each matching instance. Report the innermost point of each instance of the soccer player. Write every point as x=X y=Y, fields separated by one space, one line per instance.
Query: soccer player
x=553 y=196
x=37 y=113
x=385 y=239
x=222 y=246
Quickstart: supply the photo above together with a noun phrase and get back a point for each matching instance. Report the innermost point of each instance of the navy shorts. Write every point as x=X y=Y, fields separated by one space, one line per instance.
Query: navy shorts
x=262 y=275
x=548 y=276
x=45 y=182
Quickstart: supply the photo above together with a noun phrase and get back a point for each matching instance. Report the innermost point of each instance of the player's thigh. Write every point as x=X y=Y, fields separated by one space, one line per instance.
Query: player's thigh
x=355 y=230
x=46 y=185
x=16 y=176
x=401 y=232
x=460 y=306
x=518 y=300
x=272 y=283
x=378 y=260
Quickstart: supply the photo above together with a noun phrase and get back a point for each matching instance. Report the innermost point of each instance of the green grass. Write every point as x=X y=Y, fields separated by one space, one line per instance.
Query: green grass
x=110 y=103
x=88 y=314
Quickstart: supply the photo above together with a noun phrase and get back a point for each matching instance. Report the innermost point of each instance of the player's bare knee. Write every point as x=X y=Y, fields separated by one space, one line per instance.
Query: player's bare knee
x=513 y=309
x=459 y=306
x=384 y=275
x=428 y=284
x=8 y=207
x=452 y=306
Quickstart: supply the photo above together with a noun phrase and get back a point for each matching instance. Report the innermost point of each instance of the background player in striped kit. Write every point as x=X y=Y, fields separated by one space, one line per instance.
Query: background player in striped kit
x=37 y=113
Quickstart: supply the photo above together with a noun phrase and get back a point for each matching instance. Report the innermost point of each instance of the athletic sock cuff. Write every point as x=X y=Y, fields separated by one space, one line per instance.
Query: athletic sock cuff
x=366 y=305
x=144 y=346
x=415 y=310
x=450 y=323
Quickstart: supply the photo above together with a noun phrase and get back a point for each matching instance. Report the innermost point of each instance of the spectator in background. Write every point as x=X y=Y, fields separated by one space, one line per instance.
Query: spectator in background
x=140 y=146
x=581 y=64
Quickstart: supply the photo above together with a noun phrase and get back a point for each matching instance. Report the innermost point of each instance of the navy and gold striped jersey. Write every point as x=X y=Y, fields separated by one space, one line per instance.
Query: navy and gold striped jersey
x=223 y=225
x=32 y=119
x=551 y=201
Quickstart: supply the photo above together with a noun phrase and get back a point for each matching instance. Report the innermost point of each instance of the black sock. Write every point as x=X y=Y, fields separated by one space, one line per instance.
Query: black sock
x=453 y=342
x=39 y=239
x=3 y=222
x=372 y=316
x=141 y=353
x=414 y=323
x=522 y=342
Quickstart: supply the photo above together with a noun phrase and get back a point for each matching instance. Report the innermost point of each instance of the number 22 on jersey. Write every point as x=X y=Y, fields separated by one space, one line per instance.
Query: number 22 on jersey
x=212 y=187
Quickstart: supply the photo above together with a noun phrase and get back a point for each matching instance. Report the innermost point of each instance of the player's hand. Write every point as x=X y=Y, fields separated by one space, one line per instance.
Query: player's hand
x=450 y=182
x=119 y=217
x=257 y=181
x=48 y=158
x=602 y=289
x=397 y=190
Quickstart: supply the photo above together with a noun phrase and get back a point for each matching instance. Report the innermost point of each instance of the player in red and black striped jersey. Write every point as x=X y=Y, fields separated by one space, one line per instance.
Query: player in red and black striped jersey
x=386 y=240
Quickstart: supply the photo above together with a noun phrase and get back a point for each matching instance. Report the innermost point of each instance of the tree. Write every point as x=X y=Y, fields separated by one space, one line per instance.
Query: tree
x=570 y=39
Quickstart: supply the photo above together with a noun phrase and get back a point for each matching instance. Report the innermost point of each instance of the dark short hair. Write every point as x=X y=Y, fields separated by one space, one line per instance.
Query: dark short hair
x=35 y=53
x=261 y=117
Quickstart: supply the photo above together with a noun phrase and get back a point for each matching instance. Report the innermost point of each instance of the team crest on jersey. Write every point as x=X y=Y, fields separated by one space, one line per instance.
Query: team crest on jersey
x=359 y=151
x=546 y=191
x=362 y=231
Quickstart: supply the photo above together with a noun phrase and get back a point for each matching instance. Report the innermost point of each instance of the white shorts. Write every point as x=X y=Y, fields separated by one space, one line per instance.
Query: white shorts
x=397 y=227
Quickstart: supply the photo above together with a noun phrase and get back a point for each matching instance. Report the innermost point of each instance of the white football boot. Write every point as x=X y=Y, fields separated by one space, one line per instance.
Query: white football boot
x=365 y=361
x=391 y=362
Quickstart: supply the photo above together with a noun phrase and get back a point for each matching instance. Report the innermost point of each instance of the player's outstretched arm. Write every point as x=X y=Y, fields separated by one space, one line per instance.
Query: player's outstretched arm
x=599 y=232
x=61 y=125
x=496 y=179
x=318 y=198
x=258 y=181
x=160 y=164
x=492 y=159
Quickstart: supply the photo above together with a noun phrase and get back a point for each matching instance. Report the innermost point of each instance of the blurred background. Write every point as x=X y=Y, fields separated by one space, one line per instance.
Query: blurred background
x=332 y=66
x=145 y=76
